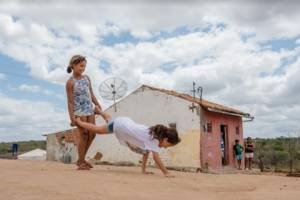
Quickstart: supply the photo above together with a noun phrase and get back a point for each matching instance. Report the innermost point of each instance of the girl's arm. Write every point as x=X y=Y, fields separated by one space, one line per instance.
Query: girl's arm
x=69 y=90
x=94 y=99
x=160 y=164
x=105 y=116
x=144 y=163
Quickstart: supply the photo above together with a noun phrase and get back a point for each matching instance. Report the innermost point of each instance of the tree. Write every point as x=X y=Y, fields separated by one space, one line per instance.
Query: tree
x=260 y=147
x=279 y=155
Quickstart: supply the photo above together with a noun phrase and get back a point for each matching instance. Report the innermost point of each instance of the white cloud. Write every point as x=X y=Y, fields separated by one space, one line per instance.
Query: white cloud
x=37 y=89
x=268 y=19
x=29 y=119
x=10 y=29
x=233 y=71
x=29 y=88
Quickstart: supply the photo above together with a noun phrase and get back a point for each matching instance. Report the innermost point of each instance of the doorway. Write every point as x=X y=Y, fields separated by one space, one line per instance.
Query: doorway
x=224 y=144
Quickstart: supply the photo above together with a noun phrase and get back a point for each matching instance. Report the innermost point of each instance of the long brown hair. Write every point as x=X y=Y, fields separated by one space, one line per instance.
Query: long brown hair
x=160 y=132
x=74 y=61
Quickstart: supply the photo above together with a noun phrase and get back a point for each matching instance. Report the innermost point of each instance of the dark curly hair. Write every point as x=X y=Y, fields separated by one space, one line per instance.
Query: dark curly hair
x=160 y=132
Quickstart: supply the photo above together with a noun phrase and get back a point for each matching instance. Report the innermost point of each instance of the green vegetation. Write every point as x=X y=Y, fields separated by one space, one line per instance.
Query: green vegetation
x=24 y=146
x=279 y=154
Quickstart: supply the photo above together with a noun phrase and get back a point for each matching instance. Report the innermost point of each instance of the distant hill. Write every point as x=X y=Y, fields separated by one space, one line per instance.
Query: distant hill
x=24 y=146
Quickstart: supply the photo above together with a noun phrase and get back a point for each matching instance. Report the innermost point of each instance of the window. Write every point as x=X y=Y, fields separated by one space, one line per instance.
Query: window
x=209 y=127
x=237 y=130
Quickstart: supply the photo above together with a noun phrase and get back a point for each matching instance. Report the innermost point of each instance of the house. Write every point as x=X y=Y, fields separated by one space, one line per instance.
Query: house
x=207 y=130
x=62 y=146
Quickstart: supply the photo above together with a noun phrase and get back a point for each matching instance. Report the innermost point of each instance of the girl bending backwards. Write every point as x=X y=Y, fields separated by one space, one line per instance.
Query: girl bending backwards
x=139 y=138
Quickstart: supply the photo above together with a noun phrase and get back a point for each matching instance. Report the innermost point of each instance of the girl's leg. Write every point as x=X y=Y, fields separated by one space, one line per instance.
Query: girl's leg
x=104 y=115
x=93 y=128
x=250 y=163
x=239 y=163
x=91 y=135
x=246 y=162
x=83 y=136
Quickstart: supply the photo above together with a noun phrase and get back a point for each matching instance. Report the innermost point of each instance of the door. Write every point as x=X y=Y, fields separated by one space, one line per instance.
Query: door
x=224 y=144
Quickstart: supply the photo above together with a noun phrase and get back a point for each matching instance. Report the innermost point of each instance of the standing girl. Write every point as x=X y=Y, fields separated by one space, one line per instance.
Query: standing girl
x=249 y=153
x=80 y=104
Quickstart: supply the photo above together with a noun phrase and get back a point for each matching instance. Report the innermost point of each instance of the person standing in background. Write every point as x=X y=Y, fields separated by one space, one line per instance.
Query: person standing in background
x=14 y=150
x=249 y=153
x=238 y=153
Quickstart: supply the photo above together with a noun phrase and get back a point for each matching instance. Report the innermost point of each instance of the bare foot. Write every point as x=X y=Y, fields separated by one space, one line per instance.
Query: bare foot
x=88 y=164
x=83 y=166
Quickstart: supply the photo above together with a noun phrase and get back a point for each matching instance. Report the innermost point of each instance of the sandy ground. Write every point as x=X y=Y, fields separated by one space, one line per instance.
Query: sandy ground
x=36 y=180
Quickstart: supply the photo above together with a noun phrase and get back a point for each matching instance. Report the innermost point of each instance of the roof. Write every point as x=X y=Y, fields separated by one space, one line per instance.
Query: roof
x=204 y=103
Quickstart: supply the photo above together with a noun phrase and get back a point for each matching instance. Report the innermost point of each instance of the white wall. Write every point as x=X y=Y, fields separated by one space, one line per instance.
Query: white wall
x=57 y=152
x=152 y=107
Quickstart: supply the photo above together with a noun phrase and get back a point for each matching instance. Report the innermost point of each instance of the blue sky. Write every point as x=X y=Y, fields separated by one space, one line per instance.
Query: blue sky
x=17 y=74
x=247 y=62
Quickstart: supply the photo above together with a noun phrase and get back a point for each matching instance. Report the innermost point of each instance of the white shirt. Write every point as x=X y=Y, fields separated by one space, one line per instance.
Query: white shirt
x=135 y=136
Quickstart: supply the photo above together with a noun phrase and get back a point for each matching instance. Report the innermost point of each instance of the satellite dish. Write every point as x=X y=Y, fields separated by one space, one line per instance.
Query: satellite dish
x=113 y=89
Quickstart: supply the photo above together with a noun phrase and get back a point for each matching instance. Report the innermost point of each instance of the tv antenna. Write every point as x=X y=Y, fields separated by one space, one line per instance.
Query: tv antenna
x=199 y=91
x=113 y=89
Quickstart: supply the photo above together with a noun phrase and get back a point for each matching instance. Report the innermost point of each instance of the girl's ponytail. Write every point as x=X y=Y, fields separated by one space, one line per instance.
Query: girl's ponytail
x=69 y=69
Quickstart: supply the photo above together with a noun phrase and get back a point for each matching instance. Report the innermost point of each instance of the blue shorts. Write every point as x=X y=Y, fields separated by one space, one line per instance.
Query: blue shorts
x=110 y=126
x=239 y=157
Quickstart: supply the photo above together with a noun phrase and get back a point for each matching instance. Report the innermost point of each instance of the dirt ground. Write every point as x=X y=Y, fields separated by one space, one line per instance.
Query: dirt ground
x=36 y=180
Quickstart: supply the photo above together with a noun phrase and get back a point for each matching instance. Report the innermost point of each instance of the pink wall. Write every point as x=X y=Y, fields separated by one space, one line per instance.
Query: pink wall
x=211 y=142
